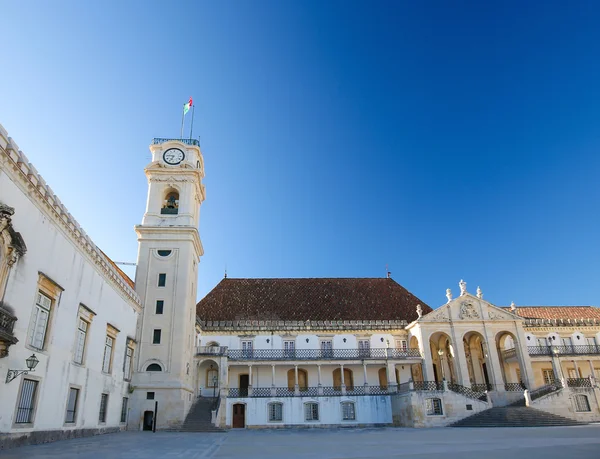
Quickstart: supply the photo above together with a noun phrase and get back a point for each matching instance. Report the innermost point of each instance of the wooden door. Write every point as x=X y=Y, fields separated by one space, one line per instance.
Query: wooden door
x=239 y=416
x=383 y=382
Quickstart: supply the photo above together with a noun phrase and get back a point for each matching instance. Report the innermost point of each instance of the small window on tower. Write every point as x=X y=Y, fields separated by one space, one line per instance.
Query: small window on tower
x=162 y=279
x=164 y=253
x=159 y=306
x=171 y=203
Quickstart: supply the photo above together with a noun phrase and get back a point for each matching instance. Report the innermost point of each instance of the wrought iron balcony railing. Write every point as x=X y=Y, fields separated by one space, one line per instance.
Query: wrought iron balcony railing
x=318 y=354
x=7 y=321
x=428 y=385
x=158 y=140
x=514 y=387
x=579 y=382
x=475 y=392
x=564 y=350
x=211 y=350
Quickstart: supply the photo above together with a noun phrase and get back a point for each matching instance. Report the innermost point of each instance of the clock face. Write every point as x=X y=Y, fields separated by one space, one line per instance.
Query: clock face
x=173 y=156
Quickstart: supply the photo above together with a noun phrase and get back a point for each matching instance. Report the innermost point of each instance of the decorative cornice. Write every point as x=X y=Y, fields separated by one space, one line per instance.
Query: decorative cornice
x=533 y=323
x=304 y=326
x=46 y=200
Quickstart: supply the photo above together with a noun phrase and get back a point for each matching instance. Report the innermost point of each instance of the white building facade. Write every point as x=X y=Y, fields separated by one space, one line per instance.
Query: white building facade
x=64 y=302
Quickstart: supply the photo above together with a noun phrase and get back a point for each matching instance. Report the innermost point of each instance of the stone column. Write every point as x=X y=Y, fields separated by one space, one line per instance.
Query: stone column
x=460 y=359
x=365 y=374
x=320 y=386
x=391 y=374
x=592 y=370
x=428 y=374
x=523 y=358
x=249 y=380
x=273 y=388
x=223 y=377
x=343 y=381
x=577 y=372
x=493 y=362
x=296 y=385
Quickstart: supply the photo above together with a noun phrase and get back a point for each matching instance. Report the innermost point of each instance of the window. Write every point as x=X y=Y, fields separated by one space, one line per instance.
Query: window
x=103 y=406
x=81 y=339
x=156 y=336
x=543 y=342
x=212 y=378
x=124 y=409
x=434 y=407
x=159 y=306
x=518 y=372
x=548 y=376
x=581 y=403
x=154 y=367
x=348 y=412
x=247 y=348
x=26 y=402
x=572 y=373
x=364 y=347
x=311 y=411
x=149 y=395
x=327 y=348
x=162 y=279
x=71 y=414
x=289 y=348
x=275 y=412
x=39 y=321
x=402 y=345
x=127 y=364
x=348 y=379
x=107 y=361
x=164 y=253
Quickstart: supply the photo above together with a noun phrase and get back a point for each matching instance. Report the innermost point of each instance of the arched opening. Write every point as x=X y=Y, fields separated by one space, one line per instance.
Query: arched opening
x=348 y=379
x=476 y=354
x=416 y=369
x=302 y=379
x=511 y=361
x=154 y=367
x=208 y=379
x=442 y=356
x=170 y=202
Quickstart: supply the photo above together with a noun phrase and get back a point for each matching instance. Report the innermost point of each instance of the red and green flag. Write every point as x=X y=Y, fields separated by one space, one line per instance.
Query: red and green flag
x=186 y=107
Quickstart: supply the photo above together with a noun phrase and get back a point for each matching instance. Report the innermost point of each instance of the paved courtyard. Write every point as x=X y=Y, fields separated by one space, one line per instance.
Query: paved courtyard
x=511 y=443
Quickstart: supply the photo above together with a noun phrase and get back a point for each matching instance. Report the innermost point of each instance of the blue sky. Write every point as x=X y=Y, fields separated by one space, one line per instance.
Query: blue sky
x=448 y=140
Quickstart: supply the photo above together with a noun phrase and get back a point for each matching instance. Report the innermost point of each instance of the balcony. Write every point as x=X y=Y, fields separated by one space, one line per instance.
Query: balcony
x=563 y=350
x=7 y=324
x=580 y=382
x=211 y=350
x=318 y=354
x=158 y=140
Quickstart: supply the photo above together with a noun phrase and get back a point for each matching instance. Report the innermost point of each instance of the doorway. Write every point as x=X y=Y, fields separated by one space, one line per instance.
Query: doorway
x=244 y=383
x=148 y=420
x=239 y=416
x=485 y=374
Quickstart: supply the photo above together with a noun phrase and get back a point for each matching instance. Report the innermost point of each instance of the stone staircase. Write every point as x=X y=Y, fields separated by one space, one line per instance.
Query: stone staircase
x=515 y=415
x=199 y=417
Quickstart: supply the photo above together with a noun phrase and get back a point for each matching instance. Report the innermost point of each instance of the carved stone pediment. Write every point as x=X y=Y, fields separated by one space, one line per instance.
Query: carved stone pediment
x=468 y=311
x=467 y=307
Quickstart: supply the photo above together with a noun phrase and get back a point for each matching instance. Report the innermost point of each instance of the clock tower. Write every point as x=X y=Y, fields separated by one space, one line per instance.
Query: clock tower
x=166 y=280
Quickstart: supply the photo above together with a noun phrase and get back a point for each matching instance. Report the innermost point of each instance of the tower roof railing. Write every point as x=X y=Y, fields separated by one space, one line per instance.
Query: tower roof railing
x=159 y=140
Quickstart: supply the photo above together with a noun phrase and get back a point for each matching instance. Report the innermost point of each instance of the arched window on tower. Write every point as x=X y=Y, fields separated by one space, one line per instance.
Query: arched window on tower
x=154 y=367
x=170 y=203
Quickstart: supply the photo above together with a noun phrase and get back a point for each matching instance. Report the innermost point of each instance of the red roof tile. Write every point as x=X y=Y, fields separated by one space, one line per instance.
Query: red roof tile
x=309 y=299
x=557 y=312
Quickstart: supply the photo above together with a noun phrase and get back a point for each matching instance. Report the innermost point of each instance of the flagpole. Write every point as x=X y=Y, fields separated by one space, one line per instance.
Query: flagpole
x=192 y=126
x=182 y=119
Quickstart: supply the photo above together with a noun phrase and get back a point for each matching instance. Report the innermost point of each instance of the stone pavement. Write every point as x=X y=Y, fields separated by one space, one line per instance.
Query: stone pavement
x=448 y=443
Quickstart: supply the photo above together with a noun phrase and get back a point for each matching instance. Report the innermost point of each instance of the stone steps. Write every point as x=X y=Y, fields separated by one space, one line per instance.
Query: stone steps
x=514 y=416
x=199 y=418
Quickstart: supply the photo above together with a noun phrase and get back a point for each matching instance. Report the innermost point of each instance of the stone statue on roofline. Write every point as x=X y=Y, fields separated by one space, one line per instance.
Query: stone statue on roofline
x=449 y=294
x=419 y=311
x=463 y=287
x=479 y=293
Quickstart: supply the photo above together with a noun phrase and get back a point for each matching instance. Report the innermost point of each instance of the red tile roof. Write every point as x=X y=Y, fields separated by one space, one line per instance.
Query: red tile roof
x=125 y=277
x=557 y=312
x=309 y=299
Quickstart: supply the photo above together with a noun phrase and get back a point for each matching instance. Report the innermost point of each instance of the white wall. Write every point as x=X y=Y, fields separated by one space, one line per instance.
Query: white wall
x=53 y=252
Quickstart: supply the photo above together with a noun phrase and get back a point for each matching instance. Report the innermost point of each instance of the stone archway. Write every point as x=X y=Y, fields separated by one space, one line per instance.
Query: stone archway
x=443 y=357
x=478 y=364
x=208 y=378
x=514 y=372
x=416 y=369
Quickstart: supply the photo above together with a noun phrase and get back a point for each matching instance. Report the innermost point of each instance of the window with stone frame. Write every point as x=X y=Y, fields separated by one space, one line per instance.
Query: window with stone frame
x=73 y=398
x=582 y=403
x=402 y=345
x=548 y=375
x=81 y=339
x=275 y=412
x=311 y=411
x=434 y=407
x=26 y=402
x=364 y=348
x=46 y=298
x=109 y=348
x=127 y=364
x=124 y=409
x=348 y=411
x=103 y=408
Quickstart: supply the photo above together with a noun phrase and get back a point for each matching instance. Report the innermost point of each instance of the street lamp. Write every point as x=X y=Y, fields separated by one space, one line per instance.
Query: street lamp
x=31 y=364
x=215 y=380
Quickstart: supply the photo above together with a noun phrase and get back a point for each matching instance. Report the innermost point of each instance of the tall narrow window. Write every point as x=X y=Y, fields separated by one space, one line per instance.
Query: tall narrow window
x=402 y=345
x=548 y=376
x=81 y=339
x=156 y=336
x=107 y=360
x=39 y=321
x=364 y=348
x=289 y=348
x=327 y=349
x=247 y=347
x=162 y=279
x=103 y=407
x=26 y=402
x=71 y=414
x=124 y=409
x=159 y=306
x=127 y=365
x=348 y=411
x=311 y=411
x=275 y=412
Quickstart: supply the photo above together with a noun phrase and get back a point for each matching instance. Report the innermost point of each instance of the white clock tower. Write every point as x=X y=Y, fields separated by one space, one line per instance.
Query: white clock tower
x=166 y=280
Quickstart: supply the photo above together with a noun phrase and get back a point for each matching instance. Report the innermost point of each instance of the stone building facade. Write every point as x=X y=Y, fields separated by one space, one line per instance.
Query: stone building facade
x=111 y=354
